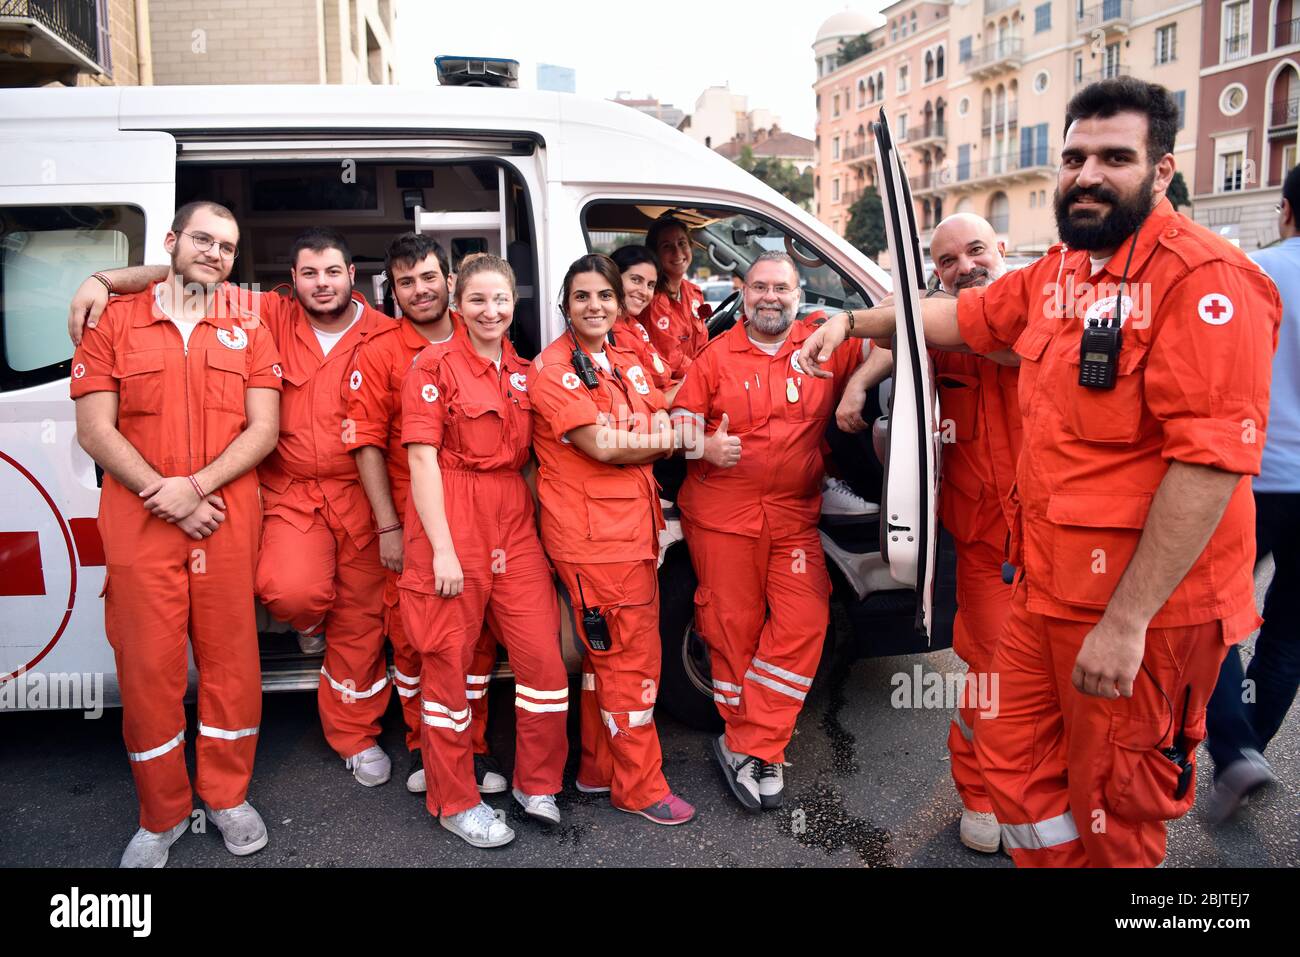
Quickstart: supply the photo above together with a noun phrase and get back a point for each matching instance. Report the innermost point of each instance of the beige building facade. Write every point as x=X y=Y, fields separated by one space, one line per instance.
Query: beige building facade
x=984 y=105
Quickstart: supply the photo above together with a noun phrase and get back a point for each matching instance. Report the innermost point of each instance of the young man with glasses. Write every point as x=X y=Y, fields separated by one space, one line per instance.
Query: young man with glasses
x=750 y=505
x=178 y=432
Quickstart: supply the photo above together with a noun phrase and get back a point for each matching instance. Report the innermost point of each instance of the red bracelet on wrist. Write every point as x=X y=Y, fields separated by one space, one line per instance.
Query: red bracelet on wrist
x=198 y=488
x=388 y=528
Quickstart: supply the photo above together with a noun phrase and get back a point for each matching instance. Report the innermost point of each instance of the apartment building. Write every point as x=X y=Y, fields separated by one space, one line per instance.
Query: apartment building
x=72 y=42
x=984 y=127
x=1250 y=91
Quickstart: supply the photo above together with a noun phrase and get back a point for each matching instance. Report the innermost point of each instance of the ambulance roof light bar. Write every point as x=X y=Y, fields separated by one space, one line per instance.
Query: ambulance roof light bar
x=477 y=71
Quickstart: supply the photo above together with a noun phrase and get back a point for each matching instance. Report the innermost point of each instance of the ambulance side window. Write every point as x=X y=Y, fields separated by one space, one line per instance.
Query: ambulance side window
x=727 y=241
x=45 y=253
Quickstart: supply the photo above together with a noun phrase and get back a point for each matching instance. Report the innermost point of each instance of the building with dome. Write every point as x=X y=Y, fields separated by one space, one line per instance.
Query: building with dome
x=975 y=91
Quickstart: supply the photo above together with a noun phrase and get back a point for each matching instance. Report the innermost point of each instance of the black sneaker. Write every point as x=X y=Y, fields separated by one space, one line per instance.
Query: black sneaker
x=488 y=776
x=771 y=785
x=741 y=773
x=415 y=774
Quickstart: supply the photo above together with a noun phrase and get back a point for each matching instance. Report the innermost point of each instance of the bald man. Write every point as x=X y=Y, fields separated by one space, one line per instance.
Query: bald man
x=980 y=428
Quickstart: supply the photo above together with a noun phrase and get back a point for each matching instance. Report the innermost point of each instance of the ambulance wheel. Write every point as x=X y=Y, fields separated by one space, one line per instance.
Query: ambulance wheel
x=685 y=685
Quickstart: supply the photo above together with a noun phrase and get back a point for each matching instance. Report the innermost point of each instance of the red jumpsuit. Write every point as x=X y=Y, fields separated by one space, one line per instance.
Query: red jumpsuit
x=676 y=330
x=600 y=525
x=180 y=407
x=631 y=336
x=762 y=604
x=478 y=419
x=320 y=556
x=980 y=425
x=1077 y=779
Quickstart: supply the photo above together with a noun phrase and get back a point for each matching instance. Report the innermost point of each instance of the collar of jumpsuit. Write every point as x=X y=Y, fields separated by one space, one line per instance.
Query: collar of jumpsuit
x=779 y=413
x=1190 y=386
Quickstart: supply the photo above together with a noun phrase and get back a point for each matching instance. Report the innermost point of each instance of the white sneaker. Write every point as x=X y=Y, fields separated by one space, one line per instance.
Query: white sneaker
x=150 y=848
x=592 y=788
x=741 y=772
x=540 y=806
x=371 y=767
x=980 y=831
x=311 y=644
x=241 y=828
x=771 y=785
x=415 y=777
x=478 y=826
x=839 y=499
x=488 y=776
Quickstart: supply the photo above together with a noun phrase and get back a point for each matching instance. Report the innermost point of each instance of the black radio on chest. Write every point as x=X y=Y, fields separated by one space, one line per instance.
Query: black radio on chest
x=1099 y=353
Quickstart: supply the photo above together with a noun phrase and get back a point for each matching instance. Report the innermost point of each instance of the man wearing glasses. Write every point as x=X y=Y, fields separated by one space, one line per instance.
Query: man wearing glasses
x=754 y=422
x=178 y=432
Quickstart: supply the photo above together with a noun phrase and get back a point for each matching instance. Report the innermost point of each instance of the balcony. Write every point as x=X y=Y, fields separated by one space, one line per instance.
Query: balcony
x=933 y=181
x=996 y=58
x=1282 y=118
x=850 y=197
x=863 y=152
x=1287 y=33
x=928 y=134
x=997 y=6
x=1110 y=16
x=1236 y=47
x=1106 y=74
x=48 y=39
x=1020 y=167
x=1006 y=116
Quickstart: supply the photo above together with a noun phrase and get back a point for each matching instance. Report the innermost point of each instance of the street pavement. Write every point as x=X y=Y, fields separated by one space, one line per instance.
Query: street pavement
x=868 y=785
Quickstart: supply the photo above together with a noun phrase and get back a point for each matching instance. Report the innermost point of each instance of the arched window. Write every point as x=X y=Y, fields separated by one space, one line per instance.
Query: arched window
x=999 y=216
x=862 y=94
x=938 y=63
x=929 y=65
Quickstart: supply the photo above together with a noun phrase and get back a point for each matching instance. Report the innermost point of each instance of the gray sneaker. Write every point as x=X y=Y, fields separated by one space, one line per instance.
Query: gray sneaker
x=1234 y=786
x=370 y=767
x=241 y=828
x=741 y=772
x=150 y=848
x=771 y=785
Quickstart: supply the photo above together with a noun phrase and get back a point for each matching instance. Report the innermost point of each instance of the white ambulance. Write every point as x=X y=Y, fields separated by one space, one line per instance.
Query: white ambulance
x=90 y=179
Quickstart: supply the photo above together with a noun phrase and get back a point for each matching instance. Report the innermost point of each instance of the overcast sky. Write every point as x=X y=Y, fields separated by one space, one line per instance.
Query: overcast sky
x=671 y=49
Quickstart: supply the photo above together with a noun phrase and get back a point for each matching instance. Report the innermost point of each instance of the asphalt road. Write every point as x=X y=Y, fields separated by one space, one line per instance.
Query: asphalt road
x=869 y=786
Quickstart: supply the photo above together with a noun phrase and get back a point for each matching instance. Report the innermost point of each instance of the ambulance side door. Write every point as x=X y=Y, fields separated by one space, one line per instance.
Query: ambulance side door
x=84 y=198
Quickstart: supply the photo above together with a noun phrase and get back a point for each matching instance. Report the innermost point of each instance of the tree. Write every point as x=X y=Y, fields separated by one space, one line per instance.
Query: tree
x=866 y=229
x=1177 y=191
x=855 y=48
x=780 y=174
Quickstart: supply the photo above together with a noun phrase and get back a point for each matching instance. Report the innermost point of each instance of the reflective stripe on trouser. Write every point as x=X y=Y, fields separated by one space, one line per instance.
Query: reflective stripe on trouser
x=477 y=683
x=619 y=740
x=762 y=664
x=406 y=662
x=164 y=591
x=302 y=575
x=983 y=604
x=1055 y=759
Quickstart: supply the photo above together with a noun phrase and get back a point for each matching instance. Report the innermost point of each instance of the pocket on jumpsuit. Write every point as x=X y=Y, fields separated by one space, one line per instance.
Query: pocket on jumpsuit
x=611 y=595
x=1142 y=781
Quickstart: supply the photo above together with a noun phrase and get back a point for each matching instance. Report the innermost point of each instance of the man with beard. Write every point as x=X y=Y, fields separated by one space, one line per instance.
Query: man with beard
x=980 y=428
x=749 y=507
x=1132 y=526
x=417 y=270
x=318 y=567
x=178 y=432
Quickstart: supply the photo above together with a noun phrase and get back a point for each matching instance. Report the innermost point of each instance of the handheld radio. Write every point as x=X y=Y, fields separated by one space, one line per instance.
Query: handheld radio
x=593 y=624
x=582 y=363
x=1102 y=338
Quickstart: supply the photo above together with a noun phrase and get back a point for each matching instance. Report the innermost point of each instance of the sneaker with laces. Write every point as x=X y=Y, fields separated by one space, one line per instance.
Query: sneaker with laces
x=370 y=767
x=741 y=773
x=478 y=826
x=415 y=774
x=771 y=785
x=839 y=499
x=540 y=806
x=150 y=848
x=980 y=831
x=669 y=810
x=487 y=775
x=241 y=828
